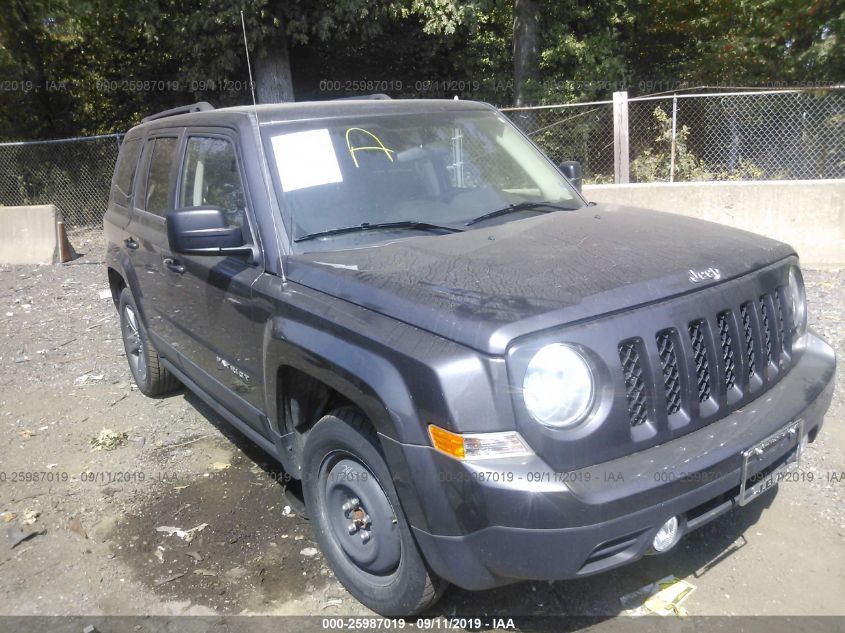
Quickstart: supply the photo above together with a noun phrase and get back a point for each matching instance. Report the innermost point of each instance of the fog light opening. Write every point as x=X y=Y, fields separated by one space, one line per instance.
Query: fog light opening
x=667 y=535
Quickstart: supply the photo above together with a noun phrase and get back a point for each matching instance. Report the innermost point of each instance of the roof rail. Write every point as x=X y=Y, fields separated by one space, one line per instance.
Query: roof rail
x=200 y=106
x=375 y=97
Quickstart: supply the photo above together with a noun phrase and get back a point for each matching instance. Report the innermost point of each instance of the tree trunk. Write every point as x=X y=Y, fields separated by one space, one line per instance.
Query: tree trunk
x=272 y=70
x=526 y=47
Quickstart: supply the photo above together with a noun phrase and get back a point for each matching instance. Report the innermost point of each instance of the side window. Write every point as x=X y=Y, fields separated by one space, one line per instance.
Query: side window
x=210 y=178
x=159 y=192
x=124 y=174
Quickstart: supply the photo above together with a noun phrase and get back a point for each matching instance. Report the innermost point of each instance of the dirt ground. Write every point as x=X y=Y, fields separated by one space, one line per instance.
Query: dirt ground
x=96 y=550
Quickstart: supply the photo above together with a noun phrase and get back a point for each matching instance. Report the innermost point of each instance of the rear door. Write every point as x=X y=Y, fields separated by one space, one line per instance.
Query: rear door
x=210 y=308
x=147 y=243
x=119 y=211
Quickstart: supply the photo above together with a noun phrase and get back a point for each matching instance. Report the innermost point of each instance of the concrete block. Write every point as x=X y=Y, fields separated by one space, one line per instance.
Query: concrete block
x=32 y=235
x=807 y=214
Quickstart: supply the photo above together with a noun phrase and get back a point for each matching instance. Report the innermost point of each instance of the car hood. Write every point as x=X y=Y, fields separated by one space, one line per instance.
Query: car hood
x=487 y=286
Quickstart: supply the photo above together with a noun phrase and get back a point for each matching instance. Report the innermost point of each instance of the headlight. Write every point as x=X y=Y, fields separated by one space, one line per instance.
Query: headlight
x=558 y=386
x=799 y=300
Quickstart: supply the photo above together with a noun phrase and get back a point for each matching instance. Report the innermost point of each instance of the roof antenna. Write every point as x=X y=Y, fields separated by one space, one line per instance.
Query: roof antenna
x=248 y=65
x=265 y=173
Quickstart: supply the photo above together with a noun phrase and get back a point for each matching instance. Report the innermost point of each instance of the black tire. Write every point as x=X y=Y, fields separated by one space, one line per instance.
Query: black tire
x=144 y=363
x=391 y=586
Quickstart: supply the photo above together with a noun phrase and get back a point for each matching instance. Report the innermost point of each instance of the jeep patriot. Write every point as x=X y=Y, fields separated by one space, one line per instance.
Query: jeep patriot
x=478 y=376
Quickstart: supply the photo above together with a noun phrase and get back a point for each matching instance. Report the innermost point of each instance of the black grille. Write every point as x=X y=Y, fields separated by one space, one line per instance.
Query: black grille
x=745 y=311
x=671 y=375
x=764 y=324
x=699 y=353
x=709 y=365
x=629 y=356
x=727 y=345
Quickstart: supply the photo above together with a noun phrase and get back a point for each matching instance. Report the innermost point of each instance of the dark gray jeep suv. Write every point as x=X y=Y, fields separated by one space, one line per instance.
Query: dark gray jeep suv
x=478 y=376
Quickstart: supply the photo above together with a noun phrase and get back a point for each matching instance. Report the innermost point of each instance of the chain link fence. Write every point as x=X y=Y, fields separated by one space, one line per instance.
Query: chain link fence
x=73 y=174
x=582 y=132
x=771 y=135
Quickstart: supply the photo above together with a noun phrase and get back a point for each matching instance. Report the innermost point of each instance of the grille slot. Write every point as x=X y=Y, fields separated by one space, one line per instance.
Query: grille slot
x=766 y=327
x=629 y=356
x=726 y=342
x=748 y=331
x=699 y=352
x=671 y=373
x=779 y=310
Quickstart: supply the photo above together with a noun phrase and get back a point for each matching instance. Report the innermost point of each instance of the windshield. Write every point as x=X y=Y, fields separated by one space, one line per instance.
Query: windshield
x=355 y=181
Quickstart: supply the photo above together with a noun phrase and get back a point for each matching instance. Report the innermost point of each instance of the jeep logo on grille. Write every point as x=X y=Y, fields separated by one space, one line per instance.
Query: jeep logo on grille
x=702 y=275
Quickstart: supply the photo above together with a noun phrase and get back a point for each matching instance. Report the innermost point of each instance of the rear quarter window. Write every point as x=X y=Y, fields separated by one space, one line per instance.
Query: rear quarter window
x=124 y=173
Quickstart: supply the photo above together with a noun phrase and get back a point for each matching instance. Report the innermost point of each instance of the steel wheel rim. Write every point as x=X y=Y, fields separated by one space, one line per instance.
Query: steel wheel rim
x=134 y=344
x=360 y=517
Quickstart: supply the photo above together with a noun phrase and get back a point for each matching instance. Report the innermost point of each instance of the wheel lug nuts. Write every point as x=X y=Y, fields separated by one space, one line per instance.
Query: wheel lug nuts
x=367 y=520
x=347 y=507
x=352 y=528
x=354 y=502
x=365 y=536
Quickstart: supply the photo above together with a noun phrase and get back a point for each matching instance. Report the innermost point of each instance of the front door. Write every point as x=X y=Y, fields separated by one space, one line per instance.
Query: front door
x=210 y=307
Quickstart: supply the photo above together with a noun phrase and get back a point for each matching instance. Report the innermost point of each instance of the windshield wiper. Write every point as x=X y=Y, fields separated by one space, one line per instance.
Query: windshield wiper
x=520 y=206
x=381 y=226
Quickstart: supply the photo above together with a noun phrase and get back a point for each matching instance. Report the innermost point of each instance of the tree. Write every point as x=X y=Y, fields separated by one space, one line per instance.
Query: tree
x=273 y=81
x=526 y=47
x=275 y=30
x=33 y=46
x=92 y=66
x=748 y=42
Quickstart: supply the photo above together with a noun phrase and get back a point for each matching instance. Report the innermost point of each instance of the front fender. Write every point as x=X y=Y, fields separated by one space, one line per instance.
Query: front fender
x=401 y=377
x=364 y=377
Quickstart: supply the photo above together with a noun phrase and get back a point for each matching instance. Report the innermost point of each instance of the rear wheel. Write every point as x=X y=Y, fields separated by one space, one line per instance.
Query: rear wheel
x=358 y=521
x=144 y=362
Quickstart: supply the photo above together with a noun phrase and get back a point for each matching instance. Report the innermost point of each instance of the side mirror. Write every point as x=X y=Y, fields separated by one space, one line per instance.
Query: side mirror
x=572 y=170
x=201 y=231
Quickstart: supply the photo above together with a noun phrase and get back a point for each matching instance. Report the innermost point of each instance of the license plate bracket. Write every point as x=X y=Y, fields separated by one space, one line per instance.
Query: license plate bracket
x=791 y=433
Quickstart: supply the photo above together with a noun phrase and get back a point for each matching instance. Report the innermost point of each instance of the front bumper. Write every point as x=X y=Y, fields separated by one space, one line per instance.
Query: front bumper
x=489 y=523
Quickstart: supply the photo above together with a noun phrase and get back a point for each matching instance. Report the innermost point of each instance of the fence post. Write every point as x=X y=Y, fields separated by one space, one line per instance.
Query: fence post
x=620 y=138
x=674 y=127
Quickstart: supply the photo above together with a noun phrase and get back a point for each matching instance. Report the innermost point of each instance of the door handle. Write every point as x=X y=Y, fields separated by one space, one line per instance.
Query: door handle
x=172 y=264
x=131 y=243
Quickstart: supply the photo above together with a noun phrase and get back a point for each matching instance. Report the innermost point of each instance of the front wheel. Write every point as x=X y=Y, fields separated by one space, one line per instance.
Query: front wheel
x=358 y=521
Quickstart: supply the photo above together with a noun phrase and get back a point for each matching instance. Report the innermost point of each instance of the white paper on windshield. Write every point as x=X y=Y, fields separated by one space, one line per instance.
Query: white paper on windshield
x=306 y=159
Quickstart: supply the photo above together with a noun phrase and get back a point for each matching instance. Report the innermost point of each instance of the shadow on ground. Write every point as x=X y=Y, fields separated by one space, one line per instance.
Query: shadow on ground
x=249 y=555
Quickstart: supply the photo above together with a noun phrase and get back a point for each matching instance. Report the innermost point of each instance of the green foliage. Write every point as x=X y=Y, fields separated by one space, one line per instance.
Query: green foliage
x=99 y=65
x=653 y=163
x=745 y=170
x=586 y=51
x=743 y=42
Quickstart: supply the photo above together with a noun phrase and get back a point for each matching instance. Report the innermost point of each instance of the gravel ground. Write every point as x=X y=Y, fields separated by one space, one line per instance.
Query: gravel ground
x=94 y=513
